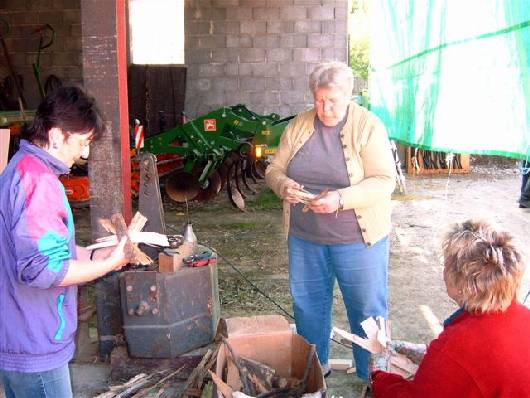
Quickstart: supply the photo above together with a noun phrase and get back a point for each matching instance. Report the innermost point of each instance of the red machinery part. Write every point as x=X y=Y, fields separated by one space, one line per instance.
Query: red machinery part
x=76 y=188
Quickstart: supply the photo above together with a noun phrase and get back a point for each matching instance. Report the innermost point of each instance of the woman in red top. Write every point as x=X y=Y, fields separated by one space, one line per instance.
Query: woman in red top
x=484 y=350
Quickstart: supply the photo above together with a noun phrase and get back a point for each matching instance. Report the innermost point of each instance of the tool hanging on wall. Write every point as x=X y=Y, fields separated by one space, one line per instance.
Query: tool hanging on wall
x=17 y=80
x=46 y=37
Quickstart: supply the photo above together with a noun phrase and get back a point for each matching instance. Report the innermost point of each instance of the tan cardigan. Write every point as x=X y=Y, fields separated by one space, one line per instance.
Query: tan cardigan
x=369 y=163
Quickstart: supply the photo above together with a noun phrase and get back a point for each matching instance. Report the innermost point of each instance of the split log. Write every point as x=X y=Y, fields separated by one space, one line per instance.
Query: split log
x=145 y=391
x=117 y=225
x=244 y=374
x=140 y=385
x=137 y=223
x=341 y=365
x=118 y=222
x=124 y=390
x=377 y=333
x=196 y=379
x=223 y=388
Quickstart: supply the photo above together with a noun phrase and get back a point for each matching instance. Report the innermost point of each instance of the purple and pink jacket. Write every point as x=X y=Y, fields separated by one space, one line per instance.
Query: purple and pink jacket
x=38 y=318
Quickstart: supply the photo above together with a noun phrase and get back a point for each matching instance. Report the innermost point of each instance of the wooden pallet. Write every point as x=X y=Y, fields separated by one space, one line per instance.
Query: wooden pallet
x=421 y=168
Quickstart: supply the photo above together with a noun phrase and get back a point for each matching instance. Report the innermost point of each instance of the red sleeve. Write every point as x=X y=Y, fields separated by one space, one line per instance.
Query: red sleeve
x=438 y=376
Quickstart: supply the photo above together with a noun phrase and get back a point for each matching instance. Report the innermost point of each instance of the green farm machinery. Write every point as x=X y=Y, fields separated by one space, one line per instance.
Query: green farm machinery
x=222 y=149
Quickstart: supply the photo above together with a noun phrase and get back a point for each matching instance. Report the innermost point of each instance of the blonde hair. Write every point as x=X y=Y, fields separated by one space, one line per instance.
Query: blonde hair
x=333 y=75
x=483 y=265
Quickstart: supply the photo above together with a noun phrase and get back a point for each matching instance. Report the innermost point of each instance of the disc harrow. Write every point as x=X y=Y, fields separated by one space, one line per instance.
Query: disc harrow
x=224 y=149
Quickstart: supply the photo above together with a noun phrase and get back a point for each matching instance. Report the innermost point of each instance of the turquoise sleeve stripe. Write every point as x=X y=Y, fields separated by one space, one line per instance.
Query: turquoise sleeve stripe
x=70 y=221
x=62 y=323
x=55 y=247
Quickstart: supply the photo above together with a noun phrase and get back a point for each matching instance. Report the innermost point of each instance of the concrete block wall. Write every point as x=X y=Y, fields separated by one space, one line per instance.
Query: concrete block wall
x=63 y=58
x=259 y=52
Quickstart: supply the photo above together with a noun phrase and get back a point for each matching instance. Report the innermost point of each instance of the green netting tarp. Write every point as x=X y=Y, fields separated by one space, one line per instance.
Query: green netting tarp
x=453 y=75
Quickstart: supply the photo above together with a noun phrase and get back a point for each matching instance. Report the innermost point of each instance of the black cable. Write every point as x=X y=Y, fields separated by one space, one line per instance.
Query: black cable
x=249 y=281
x=253 y=284
x=259 y=290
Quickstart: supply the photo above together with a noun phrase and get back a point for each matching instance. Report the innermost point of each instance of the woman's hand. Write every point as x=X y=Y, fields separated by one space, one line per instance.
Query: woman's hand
x=114 y=256
x=414 y=352
x=117 y=259
x=290 y=190
x=103 y=261
x=380 y=361
x=329 y=203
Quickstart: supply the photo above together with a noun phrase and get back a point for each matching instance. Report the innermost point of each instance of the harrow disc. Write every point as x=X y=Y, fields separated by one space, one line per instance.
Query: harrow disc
x=245 y=164
x=182 y=186
x=259 y=167
x=213 y=188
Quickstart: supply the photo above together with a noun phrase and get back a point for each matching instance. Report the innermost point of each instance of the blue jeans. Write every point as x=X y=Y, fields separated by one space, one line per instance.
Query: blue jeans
x=53 y=383
x=524 y=200
x=361 y=272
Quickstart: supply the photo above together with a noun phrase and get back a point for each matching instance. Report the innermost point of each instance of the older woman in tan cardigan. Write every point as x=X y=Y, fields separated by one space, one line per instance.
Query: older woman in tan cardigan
x=341 y=151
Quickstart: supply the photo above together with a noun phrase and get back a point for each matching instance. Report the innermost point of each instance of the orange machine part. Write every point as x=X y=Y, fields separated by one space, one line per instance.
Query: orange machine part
x=76 y=188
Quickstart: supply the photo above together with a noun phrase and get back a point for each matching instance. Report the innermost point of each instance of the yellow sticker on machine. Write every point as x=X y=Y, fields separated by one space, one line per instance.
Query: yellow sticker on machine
x=270 y=151
x=265 y=132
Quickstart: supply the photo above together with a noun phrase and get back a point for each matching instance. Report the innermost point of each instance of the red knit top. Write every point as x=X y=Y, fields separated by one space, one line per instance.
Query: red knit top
x=485 y=355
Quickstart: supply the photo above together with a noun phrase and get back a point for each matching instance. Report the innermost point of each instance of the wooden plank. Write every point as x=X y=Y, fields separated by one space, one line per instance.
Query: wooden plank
x=5 y=136
x=156 y=90
x=340 y=364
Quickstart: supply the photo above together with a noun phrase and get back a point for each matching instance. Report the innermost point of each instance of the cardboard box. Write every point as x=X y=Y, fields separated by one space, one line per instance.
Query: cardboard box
x=267 y=339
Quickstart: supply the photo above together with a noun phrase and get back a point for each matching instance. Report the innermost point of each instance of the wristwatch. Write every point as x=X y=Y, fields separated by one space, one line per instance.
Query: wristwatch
x=341 y=201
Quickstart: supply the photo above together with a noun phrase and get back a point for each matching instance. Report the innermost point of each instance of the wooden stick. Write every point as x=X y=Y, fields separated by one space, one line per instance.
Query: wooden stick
x=196 y=377
x=223 y=388
x=144 y=391
x=137 y=223
x=117 y=225
x=243 y=372
x=116 y=391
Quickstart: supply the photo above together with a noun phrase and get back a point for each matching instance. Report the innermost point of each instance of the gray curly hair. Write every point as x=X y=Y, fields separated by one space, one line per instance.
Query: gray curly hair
x=332 y=75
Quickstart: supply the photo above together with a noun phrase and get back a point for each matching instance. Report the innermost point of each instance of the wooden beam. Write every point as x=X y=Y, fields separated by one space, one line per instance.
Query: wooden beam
x=109 y=168
x=121 y=55
x=105 y=77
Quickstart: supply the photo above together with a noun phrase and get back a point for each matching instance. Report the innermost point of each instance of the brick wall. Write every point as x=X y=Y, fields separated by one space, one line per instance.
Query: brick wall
x=259 y=52
x=256 y=52
x=63 y=58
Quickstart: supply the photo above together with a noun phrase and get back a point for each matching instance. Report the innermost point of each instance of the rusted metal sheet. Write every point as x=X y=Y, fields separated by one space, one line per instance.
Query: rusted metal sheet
x=165 y=315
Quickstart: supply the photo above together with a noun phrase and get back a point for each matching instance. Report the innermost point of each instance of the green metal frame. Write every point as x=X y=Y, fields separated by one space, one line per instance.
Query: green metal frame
x=206 y=141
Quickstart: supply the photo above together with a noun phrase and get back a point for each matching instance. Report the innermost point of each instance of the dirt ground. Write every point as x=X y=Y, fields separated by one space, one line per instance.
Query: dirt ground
x=253 y=242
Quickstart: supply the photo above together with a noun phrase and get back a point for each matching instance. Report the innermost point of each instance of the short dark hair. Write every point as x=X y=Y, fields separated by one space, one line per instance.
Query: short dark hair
x=70 y=109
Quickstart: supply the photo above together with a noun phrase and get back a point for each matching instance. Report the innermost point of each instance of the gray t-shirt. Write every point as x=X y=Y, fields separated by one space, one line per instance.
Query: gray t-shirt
x=318 y=165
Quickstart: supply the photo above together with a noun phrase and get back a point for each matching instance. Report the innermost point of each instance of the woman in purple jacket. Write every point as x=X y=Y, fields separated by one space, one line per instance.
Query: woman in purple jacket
x=40 y=264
